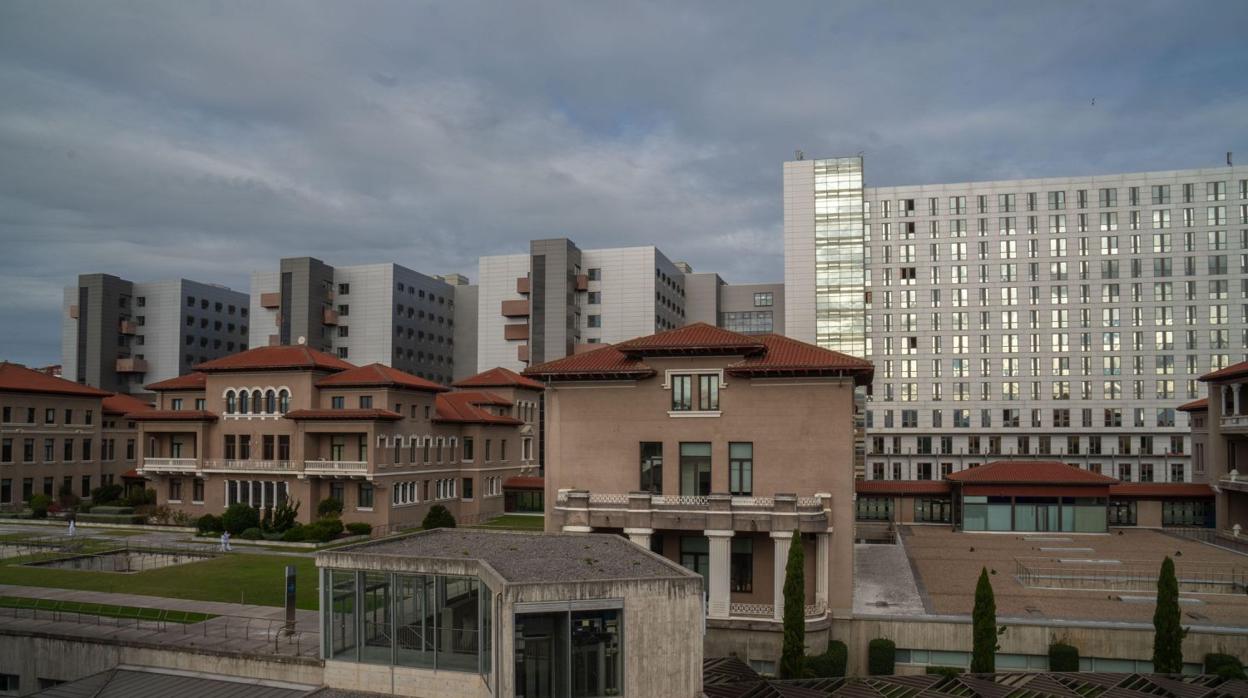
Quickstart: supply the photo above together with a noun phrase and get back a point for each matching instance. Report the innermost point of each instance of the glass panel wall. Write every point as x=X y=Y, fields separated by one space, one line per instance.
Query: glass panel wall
x=574 y=654
x=458 y=632
x=596 y=654
x=541 y=655
x=375 y=611
x=1034 y=514
x=342 y=615
x=409 y=618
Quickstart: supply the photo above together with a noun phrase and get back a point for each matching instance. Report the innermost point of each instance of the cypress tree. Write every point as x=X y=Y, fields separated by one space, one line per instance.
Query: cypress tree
x=1167 y=633
x=793 y=651
x=984 y=628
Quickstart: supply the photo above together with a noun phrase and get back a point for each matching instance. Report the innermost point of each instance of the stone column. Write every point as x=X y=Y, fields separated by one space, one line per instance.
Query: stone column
x=720 y=573
x=576 y=512
x=822 y=541
x=640 y=536
x=780 y=557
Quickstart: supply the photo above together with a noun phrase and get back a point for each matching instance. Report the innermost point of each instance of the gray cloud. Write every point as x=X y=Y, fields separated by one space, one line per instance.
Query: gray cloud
x=156 y=140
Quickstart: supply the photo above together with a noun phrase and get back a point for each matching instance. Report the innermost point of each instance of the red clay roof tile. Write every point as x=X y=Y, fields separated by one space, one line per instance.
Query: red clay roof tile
x=1238 y=370
x=1160 y=489
x=901 y=487
x=498 y=378
x=120 y=403
x=1195 y=405
x=462 y=407
x=190 y=381
x=16 y=378
x=1023 y=472
x=695 y=338
x=380 y=375
x=172 y=416
x=607 y=362
x=276 y=358
x=524 y=482
x=787 y=356
x=343 y=414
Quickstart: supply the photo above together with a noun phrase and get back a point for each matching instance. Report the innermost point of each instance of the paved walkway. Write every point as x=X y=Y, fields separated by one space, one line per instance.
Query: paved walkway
x=154 y=537
x=237 y=627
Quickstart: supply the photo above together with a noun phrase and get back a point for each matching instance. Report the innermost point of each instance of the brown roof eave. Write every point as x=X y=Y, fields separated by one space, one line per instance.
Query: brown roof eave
x=594 y=375
x=861 y=376
x=749 y=350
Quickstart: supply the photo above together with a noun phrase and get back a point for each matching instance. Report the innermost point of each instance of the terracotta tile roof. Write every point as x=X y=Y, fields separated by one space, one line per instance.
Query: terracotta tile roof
x=276 y=358
x=461 y=407
x=190 y=381
x=1160 y=489
x=696 y=338
x=1025 y=472
x=901 y=487
x=786 y=356
x=524 y=482
x=1238 y=370
x=379 y=374
x=607 y=362
x=172 y=416
x=1195 y=405
x=367 y=413
x=16 y=378
x=120 y=403
x=131 y=474
x=498 y=378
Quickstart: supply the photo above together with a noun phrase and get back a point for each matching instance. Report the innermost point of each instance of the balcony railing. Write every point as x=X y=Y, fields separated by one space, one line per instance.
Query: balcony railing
x=253 y=465
x=768 y=611
x=171 y=463
x=335 y=466
x=579 y=509
x=1235 y=420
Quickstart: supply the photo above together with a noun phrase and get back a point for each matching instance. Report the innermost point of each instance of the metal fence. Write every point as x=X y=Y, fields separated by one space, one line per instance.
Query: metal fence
x=1129 y=575
x=1212 y=536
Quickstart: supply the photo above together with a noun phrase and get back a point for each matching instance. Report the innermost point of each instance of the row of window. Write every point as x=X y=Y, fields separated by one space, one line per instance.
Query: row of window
x=85 y=454
x=204 y=304
x=217 y=325
x=1044 y=445
x=695 y=468
x=1107 y=197
x=1148 y=472
x=1012 y=417
x=7 y=492
x=1010 y=390
x=9 y=412
x=344 y=289
x=1007 y=227
x=695 y=555
x=257 y=401
x=684 y=398
x=1061 y=342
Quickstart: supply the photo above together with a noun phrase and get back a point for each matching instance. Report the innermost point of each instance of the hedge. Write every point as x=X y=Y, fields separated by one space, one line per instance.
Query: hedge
x=881 y=657
x=1063 y=657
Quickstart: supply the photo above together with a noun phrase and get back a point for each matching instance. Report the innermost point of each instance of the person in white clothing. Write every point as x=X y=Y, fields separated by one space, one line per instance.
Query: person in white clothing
x=73 y=528
x=225 y=542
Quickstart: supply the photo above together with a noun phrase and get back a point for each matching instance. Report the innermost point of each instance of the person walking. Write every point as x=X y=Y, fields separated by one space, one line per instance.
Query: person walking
x=225 y=542
x=73 y=528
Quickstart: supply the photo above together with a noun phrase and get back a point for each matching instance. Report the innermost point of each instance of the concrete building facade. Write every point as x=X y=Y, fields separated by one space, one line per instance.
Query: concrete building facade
x=374 y=313
x=118 y=335
x=1040 y=318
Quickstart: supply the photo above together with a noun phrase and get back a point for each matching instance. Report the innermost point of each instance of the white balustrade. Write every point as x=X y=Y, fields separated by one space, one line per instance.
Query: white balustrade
x=171 y=463
x=265 y=466
x=335 y=466
x=608 y=498
x=678 y=500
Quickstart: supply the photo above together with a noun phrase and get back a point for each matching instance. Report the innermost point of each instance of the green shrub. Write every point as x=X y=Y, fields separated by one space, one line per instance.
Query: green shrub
x=323 y=530
x=1168 y=632
x=438 y=517
x=239 y=517
x=39 y=506
x=140 y=498
x=1224 y=665
x=984 y=627
x=830 y=664
x=329 y=507
x=284 y=516
x=1063 y=657
x=106 y=494
x=359 y=528
x=946 y=671
x=295 y=534
x=208 y=524
x=881 y=657
x=253 y=533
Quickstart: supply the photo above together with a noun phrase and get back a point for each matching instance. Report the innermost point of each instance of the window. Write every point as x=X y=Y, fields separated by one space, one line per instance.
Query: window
x=337 y=402
x=741 y=469
x=763 y=299
x=682 y=393
x=364 y=496
x=695 y=554
x=468 y=448
x=593 y=321
x=366 y=402
x=695 y=469
x=742 y=564
x=708 y=392
x=651 y=479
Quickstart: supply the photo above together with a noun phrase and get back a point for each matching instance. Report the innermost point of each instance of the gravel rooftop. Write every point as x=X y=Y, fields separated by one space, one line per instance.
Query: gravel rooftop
x=533 y=557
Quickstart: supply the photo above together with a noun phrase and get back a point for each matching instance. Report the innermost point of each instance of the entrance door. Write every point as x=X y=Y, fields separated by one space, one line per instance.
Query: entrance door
x=541 y=655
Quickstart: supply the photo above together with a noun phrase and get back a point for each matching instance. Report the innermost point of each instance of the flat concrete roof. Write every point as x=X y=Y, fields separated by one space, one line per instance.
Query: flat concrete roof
x=942 y=566
x=522 y=557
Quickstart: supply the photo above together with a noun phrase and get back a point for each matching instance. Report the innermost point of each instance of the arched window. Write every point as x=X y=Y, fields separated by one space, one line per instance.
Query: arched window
x=257 y=402
x=230 y=405
x=270 y=401
x=244 y=402
x=283 y=401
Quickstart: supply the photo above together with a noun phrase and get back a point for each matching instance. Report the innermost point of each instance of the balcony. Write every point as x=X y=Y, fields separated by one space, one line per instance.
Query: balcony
x=515 y=331
x=642 y=510
x=522 y=353
x=169 y=465
x=522 y=285
x=130 y=365
x=335 y=467
x=329 y=316
x=270 y=300
x=1235 y=421
x=515 y=308
x=73 y=312
x=127 y=327
x=582 y=282
x=275 y=340
x=253 y=466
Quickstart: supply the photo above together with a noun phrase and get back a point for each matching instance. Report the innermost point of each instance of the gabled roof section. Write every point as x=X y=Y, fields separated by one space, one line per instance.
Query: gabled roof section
x=190 y=381
x=276 y=358
x=600 y=364
x=172 y=416
x=498 y=378
x=379 y=375
x=465 y=407
x=330 y=415
x=1029 y=472
x=16 y=378
x=1195 y=405
x=1239 y=370
x=698 y=338
x=789 y=357
x=120 y=403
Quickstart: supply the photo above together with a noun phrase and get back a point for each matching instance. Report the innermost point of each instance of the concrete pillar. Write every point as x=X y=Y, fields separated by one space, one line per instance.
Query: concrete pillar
x=640 y=536
x=719 y=575
x=822 y=541
x=780 y=557
x=1236 y=410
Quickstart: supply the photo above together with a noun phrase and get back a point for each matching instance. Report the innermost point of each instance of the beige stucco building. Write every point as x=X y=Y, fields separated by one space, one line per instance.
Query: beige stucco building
x=1220 y=444
x=282 y=422
x=712 y=448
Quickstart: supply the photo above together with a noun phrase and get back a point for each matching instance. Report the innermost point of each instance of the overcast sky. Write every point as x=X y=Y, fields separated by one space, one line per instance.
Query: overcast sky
x=208 y=139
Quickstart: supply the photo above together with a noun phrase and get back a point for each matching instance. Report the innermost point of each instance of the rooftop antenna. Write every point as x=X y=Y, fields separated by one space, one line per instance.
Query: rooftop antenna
x=799 y=155
x=1228 y=159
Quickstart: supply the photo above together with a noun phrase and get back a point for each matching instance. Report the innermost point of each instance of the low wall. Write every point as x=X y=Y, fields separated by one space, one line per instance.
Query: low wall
x=404 y=681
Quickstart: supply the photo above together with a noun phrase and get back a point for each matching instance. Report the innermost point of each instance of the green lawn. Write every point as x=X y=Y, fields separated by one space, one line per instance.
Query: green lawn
x=95 y=609
x=235 y=578
x=515 y=522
